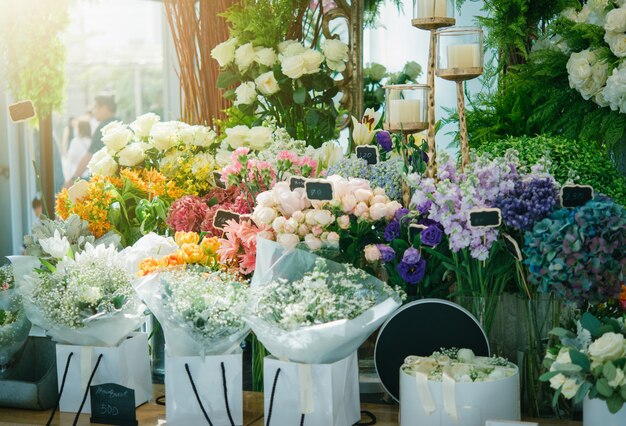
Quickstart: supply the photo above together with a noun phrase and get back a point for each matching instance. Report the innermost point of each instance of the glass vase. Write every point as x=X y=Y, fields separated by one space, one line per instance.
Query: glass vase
x=483 y=308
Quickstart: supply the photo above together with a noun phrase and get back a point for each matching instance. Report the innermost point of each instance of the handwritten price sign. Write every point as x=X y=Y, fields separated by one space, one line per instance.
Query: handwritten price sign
x=369 y=153
x=319 y=190
x=113 y=404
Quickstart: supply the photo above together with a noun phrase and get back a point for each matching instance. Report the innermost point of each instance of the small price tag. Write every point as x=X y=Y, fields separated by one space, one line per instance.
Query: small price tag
x=113 y=404
x=414 y=230
x=223 y=216
x=512 y=246
x=369 y=153
x=217 y=177
x=296 y=182
x=22 y=111
x=485 y=218
x=575 y=195
x=319 y=190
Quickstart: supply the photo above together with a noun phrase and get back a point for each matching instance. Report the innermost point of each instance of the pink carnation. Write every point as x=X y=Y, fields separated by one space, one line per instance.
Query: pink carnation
x=239 y=152
x=289 y=156
x=187 y=214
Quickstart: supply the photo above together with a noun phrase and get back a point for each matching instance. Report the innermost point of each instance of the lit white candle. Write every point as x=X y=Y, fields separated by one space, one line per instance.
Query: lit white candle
x=403 y=112
x=463 y=56
x=431 y=8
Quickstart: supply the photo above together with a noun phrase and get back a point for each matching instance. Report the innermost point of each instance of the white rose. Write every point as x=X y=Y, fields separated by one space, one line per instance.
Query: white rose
x=378 y=211
x=133 y=154
x=259 y=137
x=202 y=136
x=600 y=100
x=116 y=136
x=557 y=381
x=319 y=217
x=312 y=61
x=336 y=53
x=618 y=380
x=586 y=74
x=363 y=195
x=236 y=136
x=224 y=53
x=164 y=135
x=143 y=124
x=55 y=246
x=279 y=224
x=244 y=56
x=246 y=93
x=333 y=239
x=617 y=43
x=312 y=242
x=569 y=388
x=616 y=20
x=264 y=215
x=293 y=66
x=372 y=254
x=102 y=163
x=266 y=199
x=267 y=84
x=291 y=48
x=288 y=241
x=614 y=92
x=609 y=347
x=348 y=203
x=291 y=225
x=265 y=56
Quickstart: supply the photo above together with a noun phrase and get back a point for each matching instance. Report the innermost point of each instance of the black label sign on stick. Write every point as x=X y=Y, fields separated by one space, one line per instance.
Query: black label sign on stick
x=22 y=111
x=369 y=153
x=485 y=218
x=296 y=182
x=575 y=195
x=319 y=190
x=217 y=177
x=223 y=216
x=113 y=404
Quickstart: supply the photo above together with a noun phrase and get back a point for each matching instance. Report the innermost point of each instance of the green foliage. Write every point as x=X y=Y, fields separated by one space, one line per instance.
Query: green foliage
x=571 y=159
x=34 y=54
x=375 y=76
x=371 y=10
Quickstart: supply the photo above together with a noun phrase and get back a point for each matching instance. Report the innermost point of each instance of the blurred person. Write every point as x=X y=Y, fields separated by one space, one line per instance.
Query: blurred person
x=68 y=134
x=77 y=149
x=104 y=109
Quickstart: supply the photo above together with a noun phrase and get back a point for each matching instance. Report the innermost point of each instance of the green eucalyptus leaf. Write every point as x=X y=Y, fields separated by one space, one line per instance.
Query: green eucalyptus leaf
x=547 y=376
x=225 y=79
x=591 y=323
x=582 y=392
x=615 y=403
x=580 y=359
x=609 y=371
x=603 y=388
x=561 y=332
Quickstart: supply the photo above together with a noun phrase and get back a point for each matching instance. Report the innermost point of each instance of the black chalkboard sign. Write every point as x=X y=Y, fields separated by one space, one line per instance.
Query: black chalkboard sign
x=319 y=190
x=296 y=182
x=222 y=216
x=22 y=111
x=485 y=218
x=217 y=177
x=113 y=404
x=414 y=230
x=575 y=195
x=369 y=153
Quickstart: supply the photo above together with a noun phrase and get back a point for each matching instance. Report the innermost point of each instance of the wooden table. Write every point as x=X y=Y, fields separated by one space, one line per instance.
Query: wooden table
x=153 y=414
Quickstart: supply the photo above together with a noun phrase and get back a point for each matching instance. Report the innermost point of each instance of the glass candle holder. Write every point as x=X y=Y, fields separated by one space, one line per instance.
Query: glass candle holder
x=406 y=108
x=460 y=53
x=431 y=14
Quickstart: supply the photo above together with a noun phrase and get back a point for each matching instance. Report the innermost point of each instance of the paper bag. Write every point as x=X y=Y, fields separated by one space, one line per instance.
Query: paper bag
x=127 y=364
x=325 y=394
x=218 y=388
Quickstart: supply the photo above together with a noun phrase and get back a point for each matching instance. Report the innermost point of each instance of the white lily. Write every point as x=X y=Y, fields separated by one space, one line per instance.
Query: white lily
x=56 y=246
x=363 y=131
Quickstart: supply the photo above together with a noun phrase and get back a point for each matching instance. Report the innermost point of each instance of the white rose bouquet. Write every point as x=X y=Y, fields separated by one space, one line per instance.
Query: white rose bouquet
x=312 y=310
x=590 y=362
x=290 y=83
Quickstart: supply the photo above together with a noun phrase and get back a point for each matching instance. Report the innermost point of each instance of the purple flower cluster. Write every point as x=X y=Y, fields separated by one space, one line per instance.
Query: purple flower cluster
x=387 y=254
x=384 y=140
x=412 y=268
x=530 y=202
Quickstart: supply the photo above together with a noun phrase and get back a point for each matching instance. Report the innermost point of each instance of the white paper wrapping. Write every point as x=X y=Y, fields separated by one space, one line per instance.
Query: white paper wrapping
x=127 y=364
x=180 y=338
x=98 y=330
x=327 y=394
x=318 y=344
x=446 y=403
x=181 y=405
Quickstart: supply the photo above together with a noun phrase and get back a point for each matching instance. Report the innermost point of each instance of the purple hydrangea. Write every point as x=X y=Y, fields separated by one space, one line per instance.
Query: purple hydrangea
x=384 y=140
x=432 y=235
x=411 y=256
x=392 y=231
x=528 y=203
x=414 y=273
x=387 y=254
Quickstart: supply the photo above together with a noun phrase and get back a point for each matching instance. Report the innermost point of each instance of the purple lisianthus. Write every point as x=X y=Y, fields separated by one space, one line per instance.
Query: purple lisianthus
x=411 y=256
x=384 y=140
x=424 y=208
x=400 y=213
x=387 y=254
x=432 y=235
x=412 y=274
x=392 y=231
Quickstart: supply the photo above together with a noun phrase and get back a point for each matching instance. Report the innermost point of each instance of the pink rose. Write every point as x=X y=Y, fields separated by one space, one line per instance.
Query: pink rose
x=377 y=198
x=348 y=203
x=379 y=191
x=266 y=199
x=392 y=208
x=303 y=230
x=372 y=254
x=344 y=221
x=363 y=195
x=264 y=215
x=317 y=230
x=288 y=241
x=291 y=202
x=361 y=209
x=378 y=211
x=356 y=184
x=298 y=216
x=319 y=217
x=312 y=242
x=340 y=186
x=279 y=224
x=291 y=225
x=333 y=239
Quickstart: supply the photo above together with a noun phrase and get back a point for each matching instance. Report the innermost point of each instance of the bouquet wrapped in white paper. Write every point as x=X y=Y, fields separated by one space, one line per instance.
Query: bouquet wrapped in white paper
x=85 y=299
x=312 y=310
x=14 y=326
x=201 y=312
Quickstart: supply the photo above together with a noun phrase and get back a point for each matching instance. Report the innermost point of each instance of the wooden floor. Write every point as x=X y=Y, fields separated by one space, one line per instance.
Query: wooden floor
x=153 y=414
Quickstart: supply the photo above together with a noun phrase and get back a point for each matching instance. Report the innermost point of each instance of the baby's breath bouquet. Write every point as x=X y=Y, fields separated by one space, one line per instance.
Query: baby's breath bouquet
x=14 y=326
x=201 y=310
x=310 y=309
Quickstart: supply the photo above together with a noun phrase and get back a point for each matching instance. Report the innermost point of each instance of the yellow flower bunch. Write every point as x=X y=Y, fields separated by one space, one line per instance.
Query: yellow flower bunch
x=191 y=168
x=193 y=250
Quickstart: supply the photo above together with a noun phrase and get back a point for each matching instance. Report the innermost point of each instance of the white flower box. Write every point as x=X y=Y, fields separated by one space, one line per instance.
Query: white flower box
x=447 y=402
x=326 y=394
x=181 y=404
x=127 y=364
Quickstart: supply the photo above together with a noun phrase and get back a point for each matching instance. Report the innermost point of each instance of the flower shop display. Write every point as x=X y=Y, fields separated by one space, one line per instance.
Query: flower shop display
x=586 y=363
x=201 y=311
x=453 y=385
x=14 y=326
